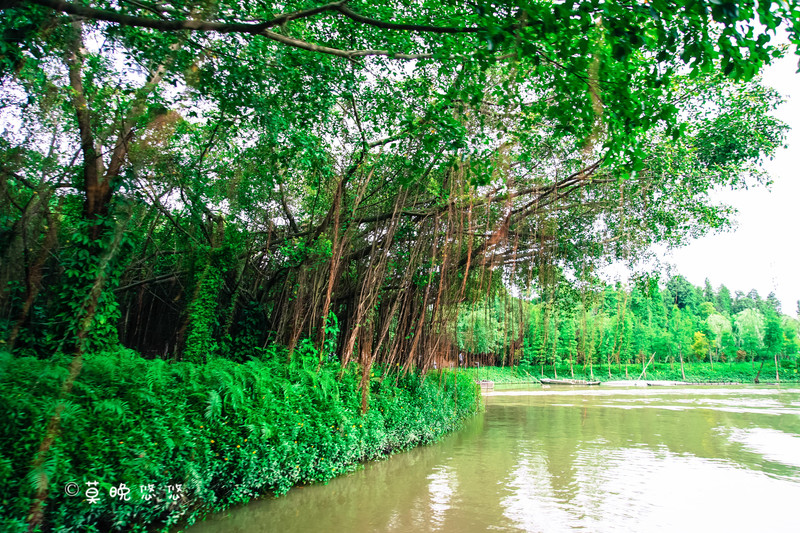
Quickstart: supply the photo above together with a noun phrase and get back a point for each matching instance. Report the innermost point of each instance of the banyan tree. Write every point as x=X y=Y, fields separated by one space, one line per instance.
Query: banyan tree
x=207 y=180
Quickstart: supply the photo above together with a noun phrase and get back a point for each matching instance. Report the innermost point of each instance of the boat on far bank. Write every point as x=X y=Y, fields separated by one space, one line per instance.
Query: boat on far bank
x=486 y=385
x=548 y=381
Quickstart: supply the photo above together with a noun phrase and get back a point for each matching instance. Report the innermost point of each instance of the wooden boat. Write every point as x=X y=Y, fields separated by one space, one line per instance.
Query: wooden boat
x=548 y=381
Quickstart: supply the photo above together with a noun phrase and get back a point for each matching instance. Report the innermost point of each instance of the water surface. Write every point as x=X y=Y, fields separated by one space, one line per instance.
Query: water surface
x=550 y=460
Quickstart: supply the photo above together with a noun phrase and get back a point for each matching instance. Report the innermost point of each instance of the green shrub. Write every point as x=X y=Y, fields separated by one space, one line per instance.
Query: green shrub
x=224 y=431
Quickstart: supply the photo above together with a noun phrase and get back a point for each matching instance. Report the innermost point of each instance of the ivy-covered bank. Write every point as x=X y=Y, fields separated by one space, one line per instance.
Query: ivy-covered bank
x=188 y=439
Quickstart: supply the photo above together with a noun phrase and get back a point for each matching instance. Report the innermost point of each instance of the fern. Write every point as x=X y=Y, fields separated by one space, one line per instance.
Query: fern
x=38 y=478
x=155 y=376
x=260 y=431
x=214 y=406
x=5 y=364
x=209 y=425
x=72 y=412
x=6 y=467
x=113 y=406
x=328 y=387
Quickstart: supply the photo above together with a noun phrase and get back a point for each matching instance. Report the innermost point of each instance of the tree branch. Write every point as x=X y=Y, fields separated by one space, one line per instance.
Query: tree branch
x=422 y=28
x=158 y=279
x=175 y=25
x=260 y=28
x=286 y=211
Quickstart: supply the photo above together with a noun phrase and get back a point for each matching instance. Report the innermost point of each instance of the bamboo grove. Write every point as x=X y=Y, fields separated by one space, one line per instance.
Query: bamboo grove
x=194 y=186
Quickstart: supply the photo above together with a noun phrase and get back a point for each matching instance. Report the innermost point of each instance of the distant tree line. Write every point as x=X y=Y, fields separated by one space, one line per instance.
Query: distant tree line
x=618 y=325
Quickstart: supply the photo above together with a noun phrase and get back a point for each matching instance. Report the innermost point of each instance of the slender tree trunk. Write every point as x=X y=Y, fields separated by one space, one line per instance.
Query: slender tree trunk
x=336 y=253
x=758 y=376
x=366 y=368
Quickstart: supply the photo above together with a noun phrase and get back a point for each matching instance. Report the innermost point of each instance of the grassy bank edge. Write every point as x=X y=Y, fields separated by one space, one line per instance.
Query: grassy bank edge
x=226 y=432
x=738 y=372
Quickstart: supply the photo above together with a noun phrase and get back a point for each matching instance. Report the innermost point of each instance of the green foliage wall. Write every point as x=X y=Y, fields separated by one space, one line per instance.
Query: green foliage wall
x=224 y=431
x=629 y=325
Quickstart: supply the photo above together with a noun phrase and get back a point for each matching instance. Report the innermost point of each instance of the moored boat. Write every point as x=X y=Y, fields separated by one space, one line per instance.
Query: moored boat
x=486 y=385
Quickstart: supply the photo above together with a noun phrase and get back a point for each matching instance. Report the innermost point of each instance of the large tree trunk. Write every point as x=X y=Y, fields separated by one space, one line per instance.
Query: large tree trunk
x=98 y=192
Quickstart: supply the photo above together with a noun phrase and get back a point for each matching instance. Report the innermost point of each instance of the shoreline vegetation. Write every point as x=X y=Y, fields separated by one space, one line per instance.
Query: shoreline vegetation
x=695 y=373
x=187 y=440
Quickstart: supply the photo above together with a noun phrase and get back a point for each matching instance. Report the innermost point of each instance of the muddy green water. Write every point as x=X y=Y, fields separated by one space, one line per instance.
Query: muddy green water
x=598 y=460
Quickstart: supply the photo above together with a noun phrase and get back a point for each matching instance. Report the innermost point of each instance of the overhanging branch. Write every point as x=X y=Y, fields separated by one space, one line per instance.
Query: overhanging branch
x=260 y=28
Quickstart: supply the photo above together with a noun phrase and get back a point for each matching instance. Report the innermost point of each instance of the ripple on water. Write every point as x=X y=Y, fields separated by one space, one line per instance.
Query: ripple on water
x=772 y=444
x=635 y=489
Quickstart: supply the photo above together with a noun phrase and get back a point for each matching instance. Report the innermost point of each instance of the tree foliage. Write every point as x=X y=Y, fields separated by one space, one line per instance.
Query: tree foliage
x=204 y=180
x=650 y=325
x=195 y=174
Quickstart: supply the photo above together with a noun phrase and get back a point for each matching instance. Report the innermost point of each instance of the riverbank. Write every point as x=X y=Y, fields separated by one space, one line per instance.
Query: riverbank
x=737 y=372
x=686 y=449
x=145 y=444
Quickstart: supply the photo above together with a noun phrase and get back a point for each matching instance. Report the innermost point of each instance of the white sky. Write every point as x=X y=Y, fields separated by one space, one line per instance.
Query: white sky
x=763 y=253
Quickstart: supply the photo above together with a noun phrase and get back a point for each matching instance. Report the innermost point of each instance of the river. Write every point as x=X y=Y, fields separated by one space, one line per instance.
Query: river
x=652 y=459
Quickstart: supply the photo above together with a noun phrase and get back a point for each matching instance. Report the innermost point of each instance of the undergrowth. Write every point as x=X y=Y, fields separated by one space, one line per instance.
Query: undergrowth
x=224 y=431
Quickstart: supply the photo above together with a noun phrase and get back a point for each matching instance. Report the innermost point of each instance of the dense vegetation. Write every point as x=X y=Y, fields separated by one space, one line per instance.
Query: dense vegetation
x=206 y=183
x=198 y=438
x=192 y=194
x=595 y=326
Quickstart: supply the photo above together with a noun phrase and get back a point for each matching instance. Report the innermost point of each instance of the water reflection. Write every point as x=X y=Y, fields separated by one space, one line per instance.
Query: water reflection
x=689 y=460
x=442 y=486
x=770 y=444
